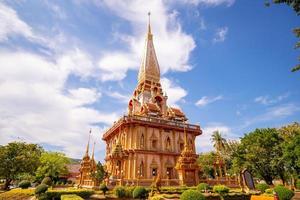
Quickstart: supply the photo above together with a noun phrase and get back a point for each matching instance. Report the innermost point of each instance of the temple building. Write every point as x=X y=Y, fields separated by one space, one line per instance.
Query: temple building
x=87 y=167
x=153 y=139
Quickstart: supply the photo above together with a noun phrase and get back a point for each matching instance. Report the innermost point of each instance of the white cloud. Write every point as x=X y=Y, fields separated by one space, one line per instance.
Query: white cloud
x=205 y=100
x=204 y=143
x=35 y=106
x=266 y=100
x=274 y=113
x=175 y=93
x=11 y=24
x=220 y=35
x=211 y=2
x=121 y=97
x=114 y=65
x=173 y=46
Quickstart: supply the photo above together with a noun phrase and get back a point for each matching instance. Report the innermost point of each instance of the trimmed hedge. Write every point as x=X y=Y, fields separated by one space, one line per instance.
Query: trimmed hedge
x=56 y=194
x=24 y=184
x=70 y=197
x=203 y=186
x=119 y=191
x=103 y=188
x=17 y=193
x=139 y=192
x=129 y=191
x=298 y=184
x=262 y=187
x=40 y=189
x=269 y=191
x=47 y=181
x=283 y=192
x=220 y=189
x=192 y=195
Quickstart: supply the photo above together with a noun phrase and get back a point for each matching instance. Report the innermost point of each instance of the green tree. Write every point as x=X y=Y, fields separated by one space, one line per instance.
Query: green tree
x=219 y=141
x=18 y=158
x=53 y=164
x=291 y=150
x=206 y=161
x=260 y=152
x=295 y=4
x=100 y=173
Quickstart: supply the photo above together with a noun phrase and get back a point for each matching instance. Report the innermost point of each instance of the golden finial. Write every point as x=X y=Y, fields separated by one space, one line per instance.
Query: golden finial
x=88 y=144
x=149 y=26
x=93 y=150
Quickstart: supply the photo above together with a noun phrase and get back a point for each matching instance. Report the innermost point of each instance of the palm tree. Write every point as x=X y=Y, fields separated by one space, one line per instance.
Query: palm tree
x=219 y=141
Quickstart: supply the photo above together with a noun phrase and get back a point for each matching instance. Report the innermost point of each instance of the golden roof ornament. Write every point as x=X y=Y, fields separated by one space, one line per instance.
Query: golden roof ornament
x=149 y=69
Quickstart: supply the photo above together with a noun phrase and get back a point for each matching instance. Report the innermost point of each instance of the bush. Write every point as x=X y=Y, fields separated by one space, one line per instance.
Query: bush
x=24 y=184
x=262 y=187
x=119 y=191
x=220 y=189
x=284 y=193
x=129 y=191
x=298 y=184
x=192 y=195
x=139 y=192
x=47 y=181
x=103 y=188
x=269 y=191
x=42 y=188
x=203 y=186
x=56 y=194
x=70 y=197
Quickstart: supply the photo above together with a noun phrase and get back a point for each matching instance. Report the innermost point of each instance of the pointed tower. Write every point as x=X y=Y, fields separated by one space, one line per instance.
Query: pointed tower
x=149 y=70
x=149 y=140
x=87 y=167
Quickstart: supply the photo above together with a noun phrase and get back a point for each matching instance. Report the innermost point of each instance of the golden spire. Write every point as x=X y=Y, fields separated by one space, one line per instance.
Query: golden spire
x=93 y=151
x=149 y=69
x=88 y=144
x=149 y=28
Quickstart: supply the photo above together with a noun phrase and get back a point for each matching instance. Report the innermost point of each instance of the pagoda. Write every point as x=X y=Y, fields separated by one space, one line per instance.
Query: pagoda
x=150 y=139
x=88 y=166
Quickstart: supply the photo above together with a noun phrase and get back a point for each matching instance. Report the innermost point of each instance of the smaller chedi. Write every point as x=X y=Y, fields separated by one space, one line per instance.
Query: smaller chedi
x=88 y=166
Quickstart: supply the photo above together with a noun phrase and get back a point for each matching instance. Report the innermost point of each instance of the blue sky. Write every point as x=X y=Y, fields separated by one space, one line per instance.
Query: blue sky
x=68 y=66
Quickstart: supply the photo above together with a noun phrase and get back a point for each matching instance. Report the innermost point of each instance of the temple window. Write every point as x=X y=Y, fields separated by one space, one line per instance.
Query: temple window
x=168 y=144
x=154 y=144
x=142 y=141
x=141 y=169
x=181 y=146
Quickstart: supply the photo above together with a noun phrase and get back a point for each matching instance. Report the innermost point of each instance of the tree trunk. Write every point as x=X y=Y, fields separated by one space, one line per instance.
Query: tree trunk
x=268 y=179
x=7 y=184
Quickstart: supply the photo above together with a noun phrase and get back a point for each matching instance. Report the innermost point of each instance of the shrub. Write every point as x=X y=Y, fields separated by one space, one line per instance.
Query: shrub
x=269 y=191
x=203 y=186
x=119 y=191
x=262 y=187
x=70 y=197
x=298 y=184
x=42 y=188
x=192 y=195
x=139 y=192
x=47 y=181
x=129 y=191
x=220 y=189
x=284 y=193
x=56 y=194
x=24 y=184
x=103 y=188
